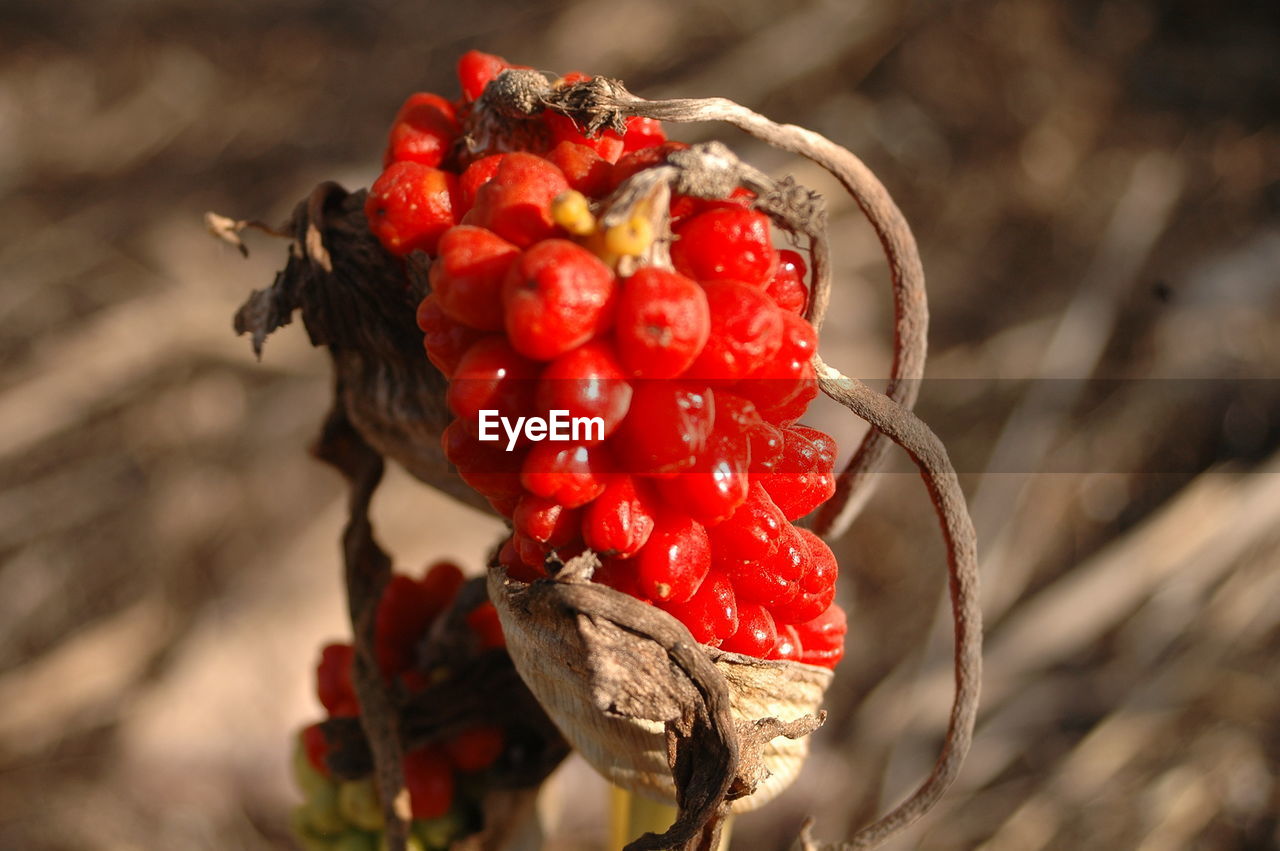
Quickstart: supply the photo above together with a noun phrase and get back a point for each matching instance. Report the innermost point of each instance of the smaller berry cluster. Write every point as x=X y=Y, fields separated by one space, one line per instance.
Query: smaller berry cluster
x=346 y=815
x=697 y=374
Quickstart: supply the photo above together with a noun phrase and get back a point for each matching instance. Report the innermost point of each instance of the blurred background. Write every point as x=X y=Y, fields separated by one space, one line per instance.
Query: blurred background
x=1096 y=191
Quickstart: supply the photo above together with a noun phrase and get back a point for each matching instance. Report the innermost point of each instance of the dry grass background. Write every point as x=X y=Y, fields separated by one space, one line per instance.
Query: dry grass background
x=1096 y=190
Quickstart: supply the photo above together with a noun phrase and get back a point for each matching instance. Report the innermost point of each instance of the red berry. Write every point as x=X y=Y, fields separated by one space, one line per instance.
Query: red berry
x=783 y=377
x=440 y=584
x=823 y=637
x=545 y=521
x=773 y=580
x=466 y=278
x=675 y=561
x=716 y=485
x=663 y=323
x=428 y=775
x=667 y=426
x=483 y=621
x=568 y=473
x=757 y=635
x=423 y=131
x=585 y=169
x=637 y=160
x=410 y=206
x=475 y=748
x=619 y=521
x=486 y=466
x=516 y=203
x=804 y=476
x=333 y=681
x=753 y=532
x=787 y=286
x=476 y=70
x=643 y=133
x=746 y=331
x=788 y=648
x=607 y=143
x=509 y=557
x=587 y=382
x=557 y=296
x=316 y=747
x=491 y=376
x=817 y=585
x=446 y=340
x=712 y=615
x=405 y=611
x=725 y=242
x=476 y=175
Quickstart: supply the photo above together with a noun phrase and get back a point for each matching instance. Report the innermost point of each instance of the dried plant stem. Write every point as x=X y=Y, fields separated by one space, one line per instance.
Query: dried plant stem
x=930 y=456
x=367 y=571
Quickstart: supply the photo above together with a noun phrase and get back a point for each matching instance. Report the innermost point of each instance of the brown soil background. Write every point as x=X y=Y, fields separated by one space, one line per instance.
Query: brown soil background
x=1096 y=191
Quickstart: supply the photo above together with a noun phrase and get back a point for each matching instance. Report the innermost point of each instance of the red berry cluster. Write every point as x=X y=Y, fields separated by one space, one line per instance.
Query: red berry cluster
x=405 y=613
x=696 y=375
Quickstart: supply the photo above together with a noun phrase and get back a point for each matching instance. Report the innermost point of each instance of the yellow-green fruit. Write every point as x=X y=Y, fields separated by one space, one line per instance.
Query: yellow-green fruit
x=357 y=840
x=323 y=815
x=304 y=773
x=413 y=844
x=306 y=836
x=437 y=833
x=358 y=802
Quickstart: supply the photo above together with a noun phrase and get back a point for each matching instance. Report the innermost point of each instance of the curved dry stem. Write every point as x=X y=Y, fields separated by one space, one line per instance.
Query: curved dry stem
x=600 y=102
x=930 y=456
x=367 y=571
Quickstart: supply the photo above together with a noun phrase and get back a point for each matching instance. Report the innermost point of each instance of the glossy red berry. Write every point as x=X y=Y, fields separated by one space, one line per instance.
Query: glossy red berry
x=804 y=476
x=746 y=332
x=557 y=296
x=545 y=521
x=466 y=278
x=484 y=465
x=587 y=382
x=773 y=580
x=483 y=621
x=475 y=748
x=666 y=428
x=754 y=530
x=788 y=648
x=822 y=638
x=333 y=681
x=584 y=169
x=445 y=340
x=423 y=132
x=516 y=202
x=428 y=775
x=716 y=485
x=782 y=377
x=663 y=322
x=476 y=70
x=316 y=747
x=410 y=206
x=473 y=177
x=619 y=521
x=726 y=242
x=568 y=473
x=491 y=376
x=757 y=635
x=675 y=561
x=712 y=614
x=787 y=287
x=817 y=585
